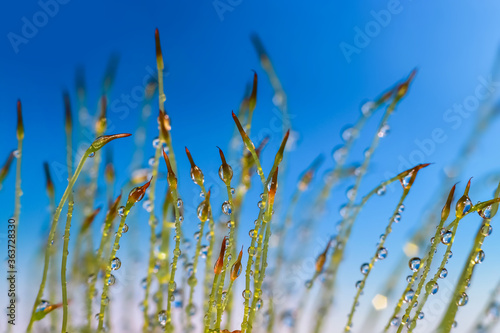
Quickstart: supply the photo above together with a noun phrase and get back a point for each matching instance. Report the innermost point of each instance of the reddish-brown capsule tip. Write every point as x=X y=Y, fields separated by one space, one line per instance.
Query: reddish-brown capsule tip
x=252 y=101
x=274 y=186
x=68 y=119
x=6 y=166
x=190 y=158
x=236 y=268
x=222 y=157
x=89 y=219
x=225 y=170
x=467 y=188
x=20 y=124
x=445 y=212
x=103 y=140
x=48 y=178
x=320 y=262
x=240 y=128
x=402 y=89
x=100 y=125
x=171 y=178
x=220 y=261
x=164 y=123
x=279 y=154
x=159 y=55
x=114 y=207
x=138 y=193
x=262 y=144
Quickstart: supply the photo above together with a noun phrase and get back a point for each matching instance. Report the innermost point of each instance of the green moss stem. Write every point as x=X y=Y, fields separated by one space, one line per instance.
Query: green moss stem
x=52 y=233
x=63 y=265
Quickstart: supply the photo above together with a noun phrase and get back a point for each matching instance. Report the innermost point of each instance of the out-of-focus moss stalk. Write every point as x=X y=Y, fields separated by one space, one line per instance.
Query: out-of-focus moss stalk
x=6 y=167
x=19 y=155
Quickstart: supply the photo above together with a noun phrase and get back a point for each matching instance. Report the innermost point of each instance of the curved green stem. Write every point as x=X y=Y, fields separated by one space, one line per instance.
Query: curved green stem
x=51 y=235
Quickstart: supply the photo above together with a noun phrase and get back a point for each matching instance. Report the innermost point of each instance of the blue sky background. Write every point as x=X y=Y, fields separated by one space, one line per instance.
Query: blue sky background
x=209 y=59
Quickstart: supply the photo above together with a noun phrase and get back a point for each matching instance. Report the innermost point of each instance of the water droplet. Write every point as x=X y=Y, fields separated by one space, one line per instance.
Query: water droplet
x=349 y=133
x=365 y=268
x=485 y=213
x=351 y=193
x=432 y=287
x=406 y=180
x=443 y=274
x=382 y=253
x=151 y=161
x=156 y=143
x=409 y=296
x=401 y=209
x=226 y=174
x=446 y=237
x=162 y=318
x=258 y=305
x=121 y=211
x=116 y=264
x=486 y=230
x=414 y=264
x=409 y=279
x=360 y=284
x=124 y=228
x=395 y=321
x=179 y=203
x=17 y=154
x=144 y=283
x=479 y=257
x=397 y=218
x=339 y=153
x=384 y=131
x=147 y=206
x=42 y=305
x=252 y=233
x=420 y=315
x=381 y=190
x=308 y=284
x=226 y=208
x=233 y=191
x=111 y=280
x=450 y=255
x=463 y=299
x=246 y=294
x=204 y=251
x=92 y=154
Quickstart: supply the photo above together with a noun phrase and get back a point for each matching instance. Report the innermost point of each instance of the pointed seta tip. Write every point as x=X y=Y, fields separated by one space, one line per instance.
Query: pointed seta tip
x=145 y=186
x=234 y=115
x=468 y=186
x=157 y=32
x=121 y=135
x=222 y=157
x=167 y=160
